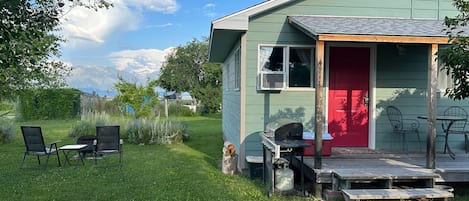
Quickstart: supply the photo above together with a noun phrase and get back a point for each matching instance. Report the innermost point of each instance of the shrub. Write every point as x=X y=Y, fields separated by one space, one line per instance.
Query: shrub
x=145 y=131
x=41 y=104
x=87 y=124
x=180 y=110
x=7 y=106
x=177 y=109
x=6 y=131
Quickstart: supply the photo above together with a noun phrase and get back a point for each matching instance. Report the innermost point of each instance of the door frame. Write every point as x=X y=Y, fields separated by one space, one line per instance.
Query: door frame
x=371 y=90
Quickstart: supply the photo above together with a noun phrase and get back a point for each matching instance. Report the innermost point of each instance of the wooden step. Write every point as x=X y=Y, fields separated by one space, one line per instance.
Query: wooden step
x=395 y=194
x=343 y=178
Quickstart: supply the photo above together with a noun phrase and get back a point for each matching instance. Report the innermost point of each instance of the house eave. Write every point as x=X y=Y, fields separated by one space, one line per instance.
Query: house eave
x=240 y=20
x=221 y=42
x=225 y=31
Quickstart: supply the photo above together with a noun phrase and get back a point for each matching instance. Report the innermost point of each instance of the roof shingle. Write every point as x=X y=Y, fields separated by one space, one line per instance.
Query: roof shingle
x=369 y=26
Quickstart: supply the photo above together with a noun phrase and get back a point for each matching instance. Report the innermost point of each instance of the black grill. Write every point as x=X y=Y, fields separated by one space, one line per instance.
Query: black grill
x=87 y=139
x=282 y=138
x=284 y=130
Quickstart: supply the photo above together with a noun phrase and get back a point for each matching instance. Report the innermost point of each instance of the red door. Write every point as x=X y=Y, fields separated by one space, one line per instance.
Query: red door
x=348 y=96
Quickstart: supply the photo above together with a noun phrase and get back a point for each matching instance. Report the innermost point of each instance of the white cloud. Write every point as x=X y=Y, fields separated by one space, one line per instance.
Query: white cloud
x=209 y=6
x=133 y=65
x=209 y=9
x=141 y=62
x=85 y=27
x=164 y=6
x=159 y=25
x=95 y=77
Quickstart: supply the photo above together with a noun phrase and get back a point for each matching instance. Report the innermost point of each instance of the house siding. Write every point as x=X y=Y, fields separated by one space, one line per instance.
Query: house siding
x=401 y=80
x=231 y=102
x=272 y=28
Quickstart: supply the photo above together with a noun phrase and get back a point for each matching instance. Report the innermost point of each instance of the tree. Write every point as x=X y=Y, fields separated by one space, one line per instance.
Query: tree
x=455 y=57
x=187 y=69
x=141 y=98
x=29 y=41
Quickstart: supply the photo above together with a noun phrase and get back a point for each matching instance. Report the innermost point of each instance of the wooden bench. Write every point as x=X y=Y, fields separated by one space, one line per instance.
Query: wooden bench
x=395 y=194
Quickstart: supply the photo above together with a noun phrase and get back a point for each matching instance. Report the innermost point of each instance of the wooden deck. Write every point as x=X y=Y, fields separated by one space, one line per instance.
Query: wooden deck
x=359 y=158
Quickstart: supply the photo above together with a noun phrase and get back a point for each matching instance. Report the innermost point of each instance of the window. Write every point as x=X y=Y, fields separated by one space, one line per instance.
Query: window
x=237 y=61
x=286 y=67
x=445 y=81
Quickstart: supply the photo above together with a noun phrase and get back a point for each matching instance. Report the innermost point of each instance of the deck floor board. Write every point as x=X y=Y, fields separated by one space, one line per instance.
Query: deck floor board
x=450 y=170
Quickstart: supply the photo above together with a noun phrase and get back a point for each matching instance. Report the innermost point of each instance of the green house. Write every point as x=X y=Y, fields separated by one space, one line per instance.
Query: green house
x=364 y=54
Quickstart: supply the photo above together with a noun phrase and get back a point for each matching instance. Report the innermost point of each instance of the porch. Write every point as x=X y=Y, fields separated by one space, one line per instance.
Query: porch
x=360 y=159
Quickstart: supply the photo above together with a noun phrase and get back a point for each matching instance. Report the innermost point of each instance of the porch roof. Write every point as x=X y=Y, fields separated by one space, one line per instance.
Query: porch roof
x=367 y=29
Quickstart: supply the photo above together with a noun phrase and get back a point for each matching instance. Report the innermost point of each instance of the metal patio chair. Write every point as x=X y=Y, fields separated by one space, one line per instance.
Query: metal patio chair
x=403 y=126
x=108 y=142
x=34 y=142
x=455 y=127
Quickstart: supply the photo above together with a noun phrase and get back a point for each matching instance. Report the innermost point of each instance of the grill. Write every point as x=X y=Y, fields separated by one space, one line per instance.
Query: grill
x=88 y=140
x=282 y=139
x=284 y=130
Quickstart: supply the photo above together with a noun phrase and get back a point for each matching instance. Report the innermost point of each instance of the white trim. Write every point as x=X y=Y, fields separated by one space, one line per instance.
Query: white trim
x=285 y=70
x=371 y=89
x=240 y=20
x=237 y=69
x=372 y=95
x=242 y=95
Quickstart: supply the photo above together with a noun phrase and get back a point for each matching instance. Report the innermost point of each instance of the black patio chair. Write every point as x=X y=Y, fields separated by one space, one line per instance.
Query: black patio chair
x=108 y=142
x=455 y=127
x=34 y=142
x=403 y=126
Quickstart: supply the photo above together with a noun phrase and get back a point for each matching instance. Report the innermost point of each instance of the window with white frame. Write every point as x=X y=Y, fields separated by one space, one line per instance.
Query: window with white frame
x=445 y=81
x=237 y=62
x=284 y=67
x=226 y=73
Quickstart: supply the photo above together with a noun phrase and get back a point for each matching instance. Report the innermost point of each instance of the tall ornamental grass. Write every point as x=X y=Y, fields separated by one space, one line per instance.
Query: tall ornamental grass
x=135 y=131
x=154 y=131
x=87 y=124
x=7 y=132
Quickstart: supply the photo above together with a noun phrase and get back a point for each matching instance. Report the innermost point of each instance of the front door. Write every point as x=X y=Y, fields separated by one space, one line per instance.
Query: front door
x=349 y=77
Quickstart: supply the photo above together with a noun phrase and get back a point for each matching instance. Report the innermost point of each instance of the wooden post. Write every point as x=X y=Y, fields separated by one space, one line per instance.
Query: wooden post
x=319 y=105
x=166 y=107
x=431 y=104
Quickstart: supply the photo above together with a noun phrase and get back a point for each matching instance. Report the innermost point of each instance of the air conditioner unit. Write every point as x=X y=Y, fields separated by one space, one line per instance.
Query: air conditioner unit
x=271 y=81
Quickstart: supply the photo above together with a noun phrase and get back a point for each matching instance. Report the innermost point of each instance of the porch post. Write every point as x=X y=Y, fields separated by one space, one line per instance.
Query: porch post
x=318 y=128
x=319 y=105
x=431 y=104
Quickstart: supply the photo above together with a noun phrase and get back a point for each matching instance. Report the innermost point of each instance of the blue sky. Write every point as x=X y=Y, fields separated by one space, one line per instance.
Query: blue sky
x=132 y=38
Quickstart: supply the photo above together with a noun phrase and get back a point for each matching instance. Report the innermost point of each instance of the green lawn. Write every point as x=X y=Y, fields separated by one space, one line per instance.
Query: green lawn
x=189 y=171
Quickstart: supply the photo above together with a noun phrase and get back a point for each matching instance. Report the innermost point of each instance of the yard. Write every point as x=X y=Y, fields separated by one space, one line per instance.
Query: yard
x=189 y=171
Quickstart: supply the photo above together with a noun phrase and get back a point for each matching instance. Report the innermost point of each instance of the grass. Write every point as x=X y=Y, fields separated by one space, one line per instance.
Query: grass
x=189 y=171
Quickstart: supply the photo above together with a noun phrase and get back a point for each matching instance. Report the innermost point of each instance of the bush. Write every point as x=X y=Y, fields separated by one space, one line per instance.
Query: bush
x=145 y=131
x=180 y=110
x=7 y=106
x=43 y=104
x=87 y=124
x=177 y=109
x=7 y=133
